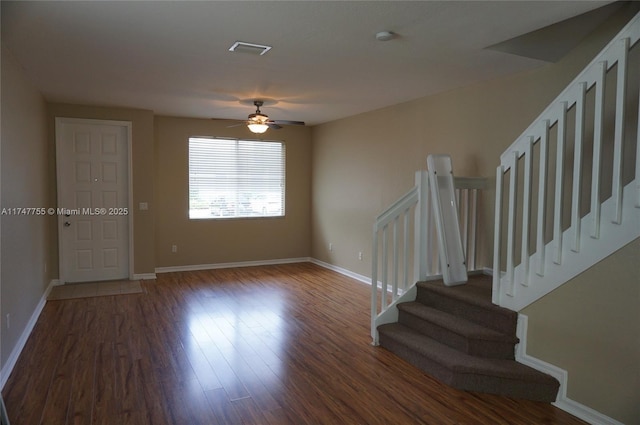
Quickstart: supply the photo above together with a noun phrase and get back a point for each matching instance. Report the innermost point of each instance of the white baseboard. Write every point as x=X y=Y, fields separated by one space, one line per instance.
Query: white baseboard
x=562 y=401
x=15 y=353
x=488 y=271
x=196 y=267
x=348 y=273
x=343 y=271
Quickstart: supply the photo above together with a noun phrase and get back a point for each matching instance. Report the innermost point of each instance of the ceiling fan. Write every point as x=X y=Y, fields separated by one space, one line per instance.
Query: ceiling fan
x=259 y=122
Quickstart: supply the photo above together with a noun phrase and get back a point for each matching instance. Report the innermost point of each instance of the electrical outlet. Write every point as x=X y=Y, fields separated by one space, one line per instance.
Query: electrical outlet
x=330 y=246
x=359 y=255
x=174 y=248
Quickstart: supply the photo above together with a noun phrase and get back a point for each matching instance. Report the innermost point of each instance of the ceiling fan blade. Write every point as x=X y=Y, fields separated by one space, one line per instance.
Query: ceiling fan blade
x=273 y=125
x=284 y=122
x=237 y=125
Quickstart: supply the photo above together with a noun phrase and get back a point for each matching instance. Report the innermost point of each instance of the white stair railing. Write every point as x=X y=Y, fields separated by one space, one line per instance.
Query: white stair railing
x=405 y=245
x=568 y=189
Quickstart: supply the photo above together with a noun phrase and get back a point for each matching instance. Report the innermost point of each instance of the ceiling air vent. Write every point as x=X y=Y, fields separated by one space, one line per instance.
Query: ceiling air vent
x=251 y=48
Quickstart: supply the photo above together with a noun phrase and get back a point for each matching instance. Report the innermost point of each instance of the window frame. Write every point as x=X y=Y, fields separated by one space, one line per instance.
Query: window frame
x=247 y=202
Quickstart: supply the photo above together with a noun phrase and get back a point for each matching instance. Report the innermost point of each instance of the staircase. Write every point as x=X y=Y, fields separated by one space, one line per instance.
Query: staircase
x=458 y=336
x=568 y=189
x=567 y=196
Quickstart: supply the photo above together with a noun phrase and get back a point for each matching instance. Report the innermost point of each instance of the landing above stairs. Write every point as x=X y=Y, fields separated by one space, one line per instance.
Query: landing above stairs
x=457 y=335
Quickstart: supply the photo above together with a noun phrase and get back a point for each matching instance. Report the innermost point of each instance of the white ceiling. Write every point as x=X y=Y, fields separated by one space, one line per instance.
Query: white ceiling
x=173 y=58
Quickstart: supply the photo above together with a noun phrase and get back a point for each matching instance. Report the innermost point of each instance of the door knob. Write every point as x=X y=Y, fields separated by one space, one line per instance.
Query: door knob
x=67 y=224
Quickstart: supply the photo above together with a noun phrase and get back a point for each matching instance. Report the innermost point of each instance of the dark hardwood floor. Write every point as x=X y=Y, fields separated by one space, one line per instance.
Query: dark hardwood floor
x=282 y=344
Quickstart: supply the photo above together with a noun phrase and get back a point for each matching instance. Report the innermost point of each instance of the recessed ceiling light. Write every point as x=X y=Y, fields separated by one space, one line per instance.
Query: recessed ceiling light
x=251 y=48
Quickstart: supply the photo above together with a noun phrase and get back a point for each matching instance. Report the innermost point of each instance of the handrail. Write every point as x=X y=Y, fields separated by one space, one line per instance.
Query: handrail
x=395 y=250
x=545 y=220
x=408 y=200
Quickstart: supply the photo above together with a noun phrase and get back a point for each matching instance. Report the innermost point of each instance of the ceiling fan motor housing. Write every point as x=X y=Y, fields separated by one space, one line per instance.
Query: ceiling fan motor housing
x=258 y=117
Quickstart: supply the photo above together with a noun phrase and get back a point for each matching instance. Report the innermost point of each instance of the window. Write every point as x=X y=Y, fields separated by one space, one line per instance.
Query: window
x=231 y=178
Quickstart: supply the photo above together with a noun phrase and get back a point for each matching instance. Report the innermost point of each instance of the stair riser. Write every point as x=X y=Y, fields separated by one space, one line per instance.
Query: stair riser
x=474 y=347
x=510 y=388
x=432 y=368
x=476 y=314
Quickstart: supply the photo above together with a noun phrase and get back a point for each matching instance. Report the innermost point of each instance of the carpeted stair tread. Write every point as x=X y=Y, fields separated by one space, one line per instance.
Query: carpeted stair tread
x=455 y=324
x=476 y=291
x=471 y=301
x=459 y=362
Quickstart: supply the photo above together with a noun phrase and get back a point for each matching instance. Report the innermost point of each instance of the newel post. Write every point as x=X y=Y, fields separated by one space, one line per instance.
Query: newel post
x=422 y=246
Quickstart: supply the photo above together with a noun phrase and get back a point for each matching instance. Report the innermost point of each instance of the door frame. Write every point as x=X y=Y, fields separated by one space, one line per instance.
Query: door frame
x=59 y=122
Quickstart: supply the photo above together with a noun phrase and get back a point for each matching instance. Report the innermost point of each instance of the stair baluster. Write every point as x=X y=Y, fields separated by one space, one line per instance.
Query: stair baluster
x=610 y=224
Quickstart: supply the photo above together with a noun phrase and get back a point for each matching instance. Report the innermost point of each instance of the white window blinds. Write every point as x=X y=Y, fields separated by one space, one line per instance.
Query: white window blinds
x=231 y=178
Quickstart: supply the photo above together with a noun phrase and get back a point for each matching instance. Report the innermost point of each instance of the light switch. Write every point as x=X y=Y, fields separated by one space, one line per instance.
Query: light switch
x=144 y=206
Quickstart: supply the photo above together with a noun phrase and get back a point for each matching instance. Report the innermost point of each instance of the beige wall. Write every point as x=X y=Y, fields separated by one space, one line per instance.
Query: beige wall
x=591 y=327
x=364 y=163
x=25 y=183
x=221 y=241
x=142 y=164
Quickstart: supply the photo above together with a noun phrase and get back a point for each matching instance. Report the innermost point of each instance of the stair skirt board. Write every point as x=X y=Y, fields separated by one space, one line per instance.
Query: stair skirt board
x=562 y=401
x=458 y=336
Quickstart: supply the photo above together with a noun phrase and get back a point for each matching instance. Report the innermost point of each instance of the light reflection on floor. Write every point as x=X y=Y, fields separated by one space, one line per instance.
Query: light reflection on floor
x=249 y=337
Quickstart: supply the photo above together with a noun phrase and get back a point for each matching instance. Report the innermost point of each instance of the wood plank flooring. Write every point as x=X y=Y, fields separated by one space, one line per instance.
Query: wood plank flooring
x=284 y=344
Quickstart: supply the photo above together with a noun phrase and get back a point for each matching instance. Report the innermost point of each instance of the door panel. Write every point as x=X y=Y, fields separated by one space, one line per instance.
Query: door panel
x=93 y=184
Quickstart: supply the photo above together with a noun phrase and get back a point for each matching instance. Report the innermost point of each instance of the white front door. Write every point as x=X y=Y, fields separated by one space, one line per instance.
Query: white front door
x=92 y=161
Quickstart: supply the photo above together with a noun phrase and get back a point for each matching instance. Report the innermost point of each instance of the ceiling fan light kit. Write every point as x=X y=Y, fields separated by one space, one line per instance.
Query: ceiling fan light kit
x=259 y=123
x=257 y=127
